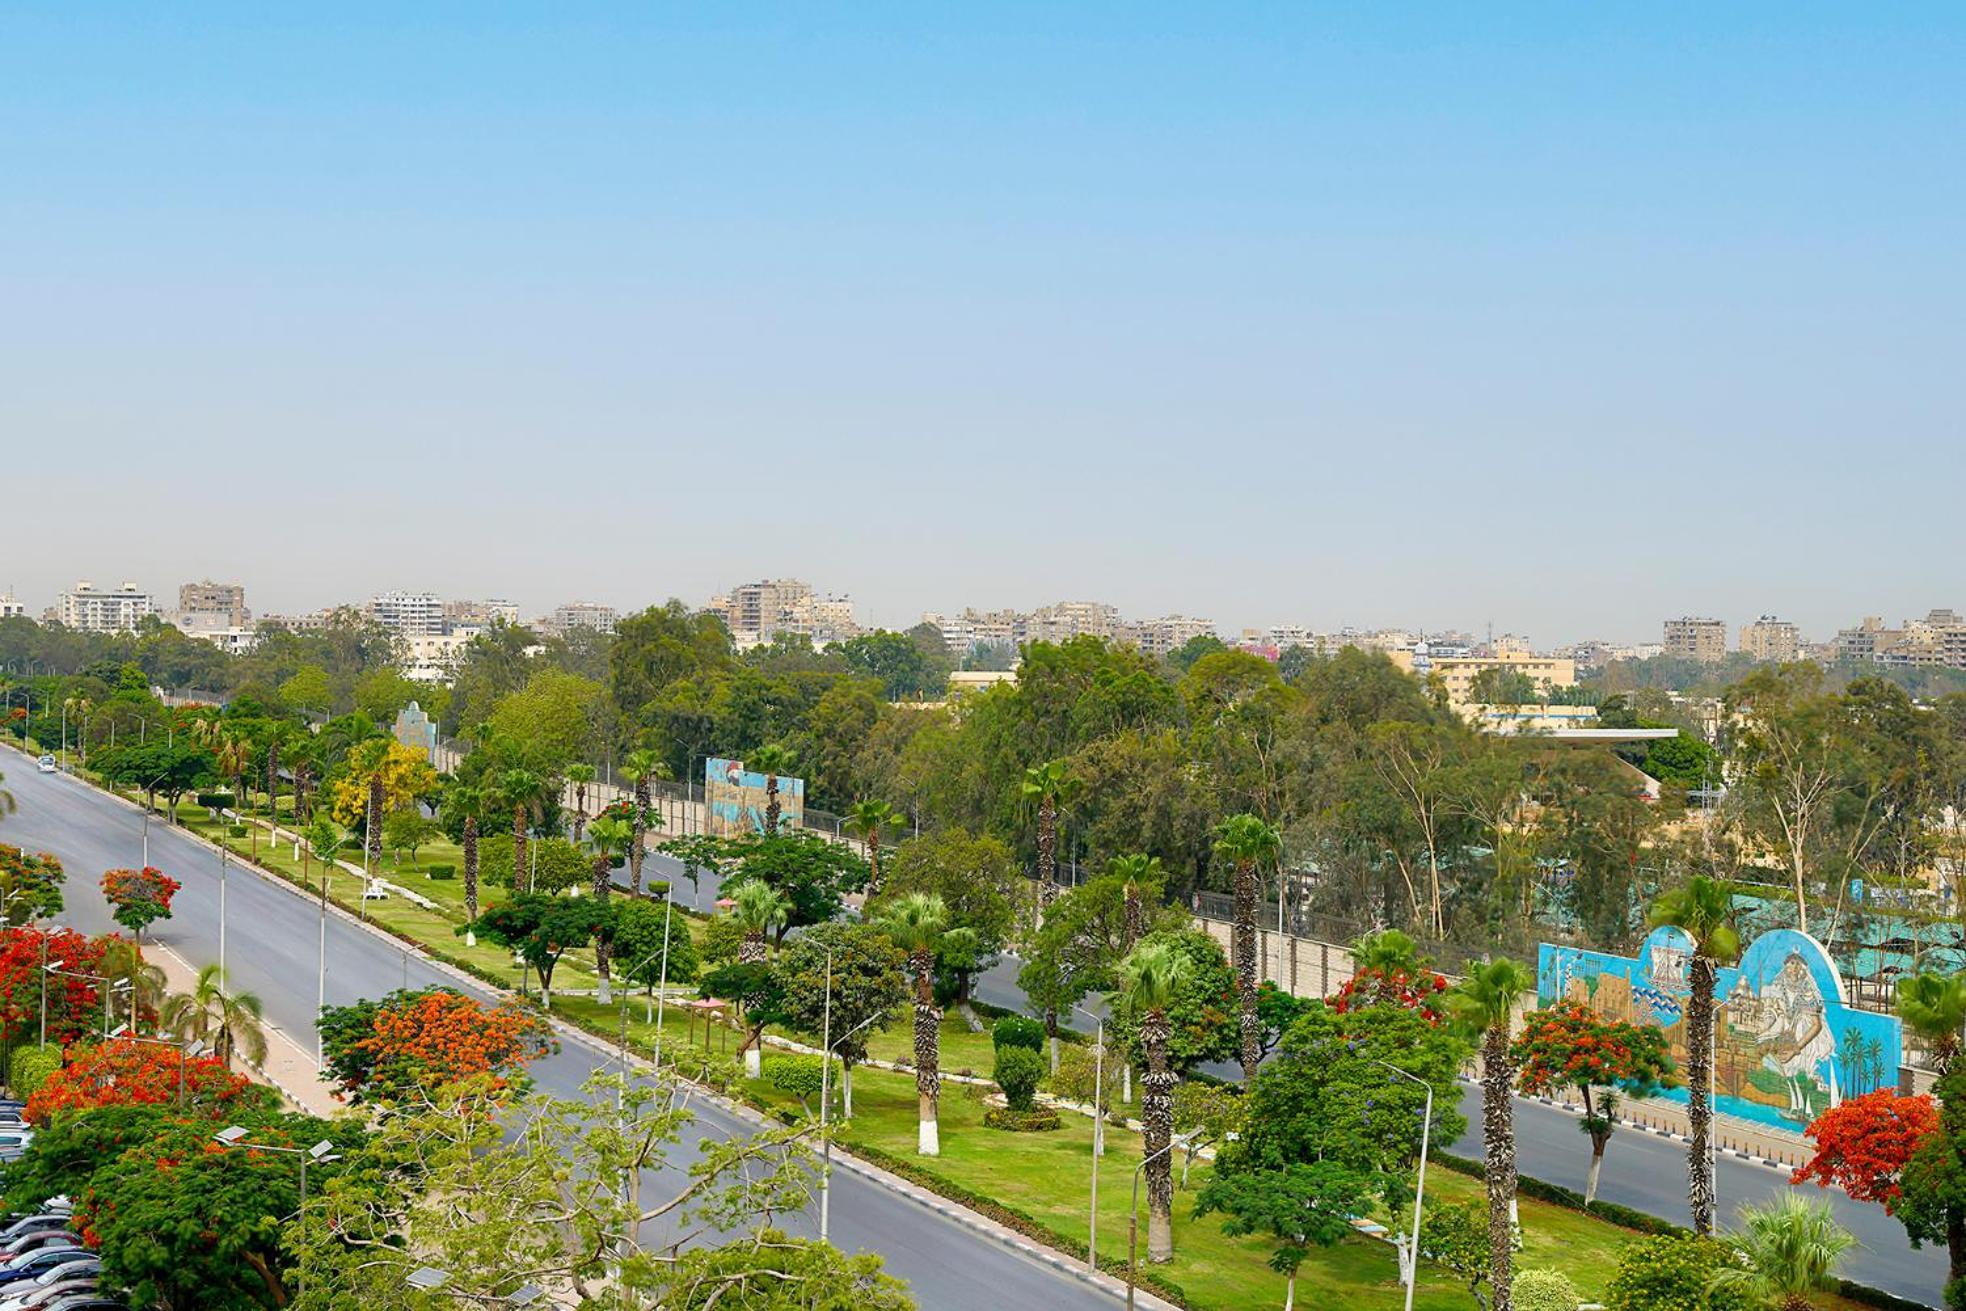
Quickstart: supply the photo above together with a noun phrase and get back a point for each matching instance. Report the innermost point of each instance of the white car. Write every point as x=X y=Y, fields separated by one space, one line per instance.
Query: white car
x=47 y=765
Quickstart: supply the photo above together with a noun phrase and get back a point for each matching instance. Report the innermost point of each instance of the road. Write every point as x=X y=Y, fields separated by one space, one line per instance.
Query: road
x=271 y=949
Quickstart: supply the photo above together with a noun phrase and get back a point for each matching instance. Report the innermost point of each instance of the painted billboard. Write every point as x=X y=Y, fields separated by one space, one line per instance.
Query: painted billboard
x=1787 y=1044
x=736 y=799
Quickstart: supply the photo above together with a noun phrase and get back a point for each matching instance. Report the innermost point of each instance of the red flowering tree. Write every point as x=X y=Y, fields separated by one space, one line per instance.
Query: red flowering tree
x=1864 y=1144
x=1417 y=989
x=74 y=1005
x=378 y=1049
x=126 y=1073
x=1569 y=1045
x=140 y=896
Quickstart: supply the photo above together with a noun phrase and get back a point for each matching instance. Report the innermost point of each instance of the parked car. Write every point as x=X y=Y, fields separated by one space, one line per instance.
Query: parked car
x=87 y=1302
x=42 y=1239
x=53 y=1285
x=37 y=1263
x=33 y=1224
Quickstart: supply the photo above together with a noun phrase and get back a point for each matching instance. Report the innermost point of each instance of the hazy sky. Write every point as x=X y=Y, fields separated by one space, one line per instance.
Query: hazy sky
x=1569 y=317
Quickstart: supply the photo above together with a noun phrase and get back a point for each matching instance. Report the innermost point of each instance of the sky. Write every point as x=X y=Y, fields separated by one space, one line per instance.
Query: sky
x=1562 y=318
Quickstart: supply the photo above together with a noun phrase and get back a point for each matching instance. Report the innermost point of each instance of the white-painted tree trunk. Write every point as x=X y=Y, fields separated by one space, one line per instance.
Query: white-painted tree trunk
x=754 y=1063
x=846 y=1093
x=1126 y=1083
x=929 y=1142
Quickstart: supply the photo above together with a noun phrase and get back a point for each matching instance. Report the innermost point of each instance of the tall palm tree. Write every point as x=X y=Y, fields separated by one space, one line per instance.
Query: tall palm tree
x=1703 y=909
x=232 y=1022
x=1791 y=1248
x=642 y=765
x=1933 y=1006
x=865 y=821
x=1042 y=792
x=466 y=800
x=519 y=792
x=1150 y=977
x=234 y=755
x=1137 y=872
x=78 y=708
x=610 y=837
x=580 y=775
x=915 y=923
x=1388 y=952
x=1485 y=1003
x=772 y=760
x=274 y=738
x=759 y=909
x=1249 y=843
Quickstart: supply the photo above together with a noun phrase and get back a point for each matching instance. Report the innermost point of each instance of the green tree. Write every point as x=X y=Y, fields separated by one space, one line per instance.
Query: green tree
x=1569 y=1045
x=1791 y=1248
x=1150 y=982
x=978 y=884
x=759 y=909
x=407 y=830
x=1249 y=844
x=772 y=760
x=1933 y=1006
x=1301 y=1206
x=1703 y=909
x=1201 y=1018
x=542 y=929
x=1485 y=1003
x=1673 y=1270
x=643 y=766
x=30 y=885
x=610 y=840
x=814 y=875
x=842 y=981
x=1043 y=791
x=1456 y=1238
x=231 y=1022
x=643 y=931
x=866 y=821
x=916 y=924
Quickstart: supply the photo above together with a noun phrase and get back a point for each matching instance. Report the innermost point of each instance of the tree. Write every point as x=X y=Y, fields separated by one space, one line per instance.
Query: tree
x=401 y=772
x=977 y=882
x=407 y=830
x=1457 y=1238
x=1387 y=969
x=1496 y=685
x=772 y=760
x=1791 y=1248
x=866 y=821
x=461 y=808
x=523 y=794
x=915 y=923
x=1485 y=1004
x=553 y=717
x=125 y=1072
x=1150 y=981
x=1863 y=1144
x=1205 y=1115
x=757 y=992
x=760 y=1272
x=411 y=1042
x=610 y=838
x=867 y=985
x=1569 y=1045
x=643 y=932
x=542 y=929
x=167 y=768
x=1673 y=1270
x=1702 y=909
x=582 y=776
x=139 y=897
x=1933 y=1006
x=1248 y=842
x=1201 y=1018
x=814 y=875
x=74 y=1003
x=759 y=908
x=230 y=1022
x=30 y=884
x=1042 y=791
x=642 y=765
x=1302 y=1206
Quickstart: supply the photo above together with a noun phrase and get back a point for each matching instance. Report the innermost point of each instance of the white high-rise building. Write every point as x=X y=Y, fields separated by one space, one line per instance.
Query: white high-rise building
x=88 y=610
x=409 y=614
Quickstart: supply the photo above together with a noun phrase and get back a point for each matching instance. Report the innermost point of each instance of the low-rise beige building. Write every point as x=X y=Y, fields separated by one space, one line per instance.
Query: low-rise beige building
x=1458 y=672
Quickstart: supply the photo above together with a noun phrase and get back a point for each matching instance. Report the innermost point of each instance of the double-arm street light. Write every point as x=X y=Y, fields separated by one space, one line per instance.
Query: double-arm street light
x=1098 y=1134
x=321 y=1153
x=1409 y=1248
x=110 y=988
x=429 y=1279
x=187 y=1051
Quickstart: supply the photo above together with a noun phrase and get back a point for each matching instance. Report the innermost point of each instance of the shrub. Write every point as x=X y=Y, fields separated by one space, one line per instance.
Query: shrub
x=1039 y=1119
x=215 y=801
x=798 y=1075
x=1017 y=1073
x=1545 y=1290
x=31 y=1067
x=235 y=830
x=1669 y=1272
x=1017 y=1031
x=441 y=872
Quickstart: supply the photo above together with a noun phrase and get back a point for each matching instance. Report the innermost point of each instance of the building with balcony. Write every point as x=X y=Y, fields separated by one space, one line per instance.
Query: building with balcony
x=87 y=609
x=1704 y=640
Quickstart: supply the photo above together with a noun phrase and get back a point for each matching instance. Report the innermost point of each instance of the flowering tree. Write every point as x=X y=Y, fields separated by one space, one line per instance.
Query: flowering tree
x=1864 y=1144
x=73 y=1004
x=140 y=896
x=425 y=1038
x=1417 y=990
x=1569 y=1045
x=127 y=1073
x=30 y=885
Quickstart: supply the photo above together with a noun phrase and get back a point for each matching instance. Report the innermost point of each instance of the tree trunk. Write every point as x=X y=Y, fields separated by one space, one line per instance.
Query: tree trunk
x=1498 y=1139
x=579 y=811
x=1130 y=933
x=1243 y=942
x=603 y=949
x=874 y=862
x=519 y=851
x=751 y=951
x=470 y=844
x=1157 y=1129
x=1699 y=1091
x=373 y=838
x=928 y=1075
x=638 y=848
x=1047 y=852
x=771 y=805
x=273 y=781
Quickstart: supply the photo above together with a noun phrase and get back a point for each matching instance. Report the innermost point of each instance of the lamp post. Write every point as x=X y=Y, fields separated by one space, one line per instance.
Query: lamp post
x=52 y=928
x=321 y=1153
x=826 y=1143
x=110 y=989
x=1409 y=1255
x=1133 y=1220
x=1098 y=1135
x=429 y=1279
x=186 y=1051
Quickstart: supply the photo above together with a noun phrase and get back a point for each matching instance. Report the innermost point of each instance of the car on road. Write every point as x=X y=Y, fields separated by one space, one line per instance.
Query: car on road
x=47 y=765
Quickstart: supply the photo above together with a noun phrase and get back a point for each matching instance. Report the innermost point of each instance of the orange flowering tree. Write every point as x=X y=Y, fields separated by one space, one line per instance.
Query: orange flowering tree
x=1569 y=1045
x=1419 y=990
x=74 y=1005
x=426 y=1037
x=140 y=896
x=126 y=1073
x=1864 y=1144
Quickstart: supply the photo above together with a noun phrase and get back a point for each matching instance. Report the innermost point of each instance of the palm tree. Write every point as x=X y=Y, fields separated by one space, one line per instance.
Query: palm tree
x=642 y=765
x=1150 y=977
x=230 y=1022
x=78 y=708
x=1136 y=871
x=1791 y=1248
x=1249 y=842
x=273 y=740
x=772 y=760
x=610 y=837
x=1387 y=952
x=915 y=923
x=1043 y=790
x=1703 y=910
x=759 y=909
x=462 y=799
x=580 y=775
x=1485 y=1003
x=234 y=754
x=865 y=821
x=123 y=962
x=1933 y=1006
x=519 y=792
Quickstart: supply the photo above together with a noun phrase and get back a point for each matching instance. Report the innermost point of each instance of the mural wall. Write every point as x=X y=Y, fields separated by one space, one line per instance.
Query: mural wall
x=736 y=799
x=1787 y=1045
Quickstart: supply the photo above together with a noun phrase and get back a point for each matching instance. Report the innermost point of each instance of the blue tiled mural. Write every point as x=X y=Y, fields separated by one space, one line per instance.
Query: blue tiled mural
x=1787 y=1046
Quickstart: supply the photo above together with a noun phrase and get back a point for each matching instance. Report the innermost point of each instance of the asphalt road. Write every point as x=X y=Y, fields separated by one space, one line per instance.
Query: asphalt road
x=272 y=936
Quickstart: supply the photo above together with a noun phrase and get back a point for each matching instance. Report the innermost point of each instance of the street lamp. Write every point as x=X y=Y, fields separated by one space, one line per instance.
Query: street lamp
x=826 y=1143
x=321 y=1153
x=1409 y=1250
x=108 y=993
x=1098 y=1134
x=429 y=1279
x=186 y=1052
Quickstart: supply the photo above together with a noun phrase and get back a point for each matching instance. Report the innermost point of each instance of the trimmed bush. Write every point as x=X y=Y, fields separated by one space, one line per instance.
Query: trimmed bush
x=31 y=1067
x=235 y=830
x=797 y=1074
x=1017 y=1073
x=1039 y=1119
x=440 y=872
x=215 y=801
x=1672 y=1271
x=1017 y=1031
x=1545 y=1290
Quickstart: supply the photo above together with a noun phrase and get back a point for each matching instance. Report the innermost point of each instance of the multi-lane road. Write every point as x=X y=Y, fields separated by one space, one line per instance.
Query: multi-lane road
x=271 y=949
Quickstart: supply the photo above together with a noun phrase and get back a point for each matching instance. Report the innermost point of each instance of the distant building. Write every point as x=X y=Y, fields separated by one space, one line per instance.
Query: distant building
x=88 y=610
x=1704 y=640
x=757 y=612
x=10 y=608
x=1457 y=672
x=222 y=604
x=1159 y=637
x=1775 y=640
x=478 y=614
x=408 y=614
x=591 y=615
x=433 y=657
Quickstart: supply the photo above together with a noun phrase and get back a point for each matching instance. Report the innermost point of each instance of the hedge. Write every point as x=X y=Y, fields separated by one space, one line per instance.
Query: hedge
x=31 y=1067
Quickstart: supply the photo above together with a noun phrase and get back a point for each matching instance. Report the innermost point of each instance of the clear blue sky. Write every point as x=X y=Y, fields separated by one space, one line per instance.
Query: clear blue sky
x=1568 y=317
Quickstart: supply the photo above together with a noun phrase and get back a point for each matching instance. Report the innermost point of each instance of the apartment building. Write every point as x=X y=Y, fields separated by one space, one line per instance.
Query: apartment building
x=591 y=615
x=10 y=608
x=213 y=605
x=1688 y=638
x=87 y=609
x=478 y=615
x=1771 y=639
x=408 y=614
x=1457 y=672
x=757 y=612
